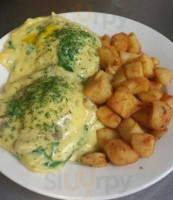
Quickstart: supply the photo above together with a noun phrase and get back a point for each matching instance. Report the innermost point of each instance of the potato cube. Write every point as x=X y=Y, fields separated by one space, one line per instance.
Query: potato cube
x=127 y=57
x=94 y=159
x=134 y=70
x=119 y=78
x=116 y=56
x=155 y=61
x=136 y=85
x=119 y=153
x=163 y=75
x=143 y=144
x=112 y=70
x=127 y=128
x=98 y=90
x=159 y=133
x=102 y=74
x=120 y=41
x=147 y=65
x=105 y=40
x=106 y=57
x=143 y=117
x=150 y=96
x=133 y=44
x=104 y=135
x=123 y=103
x=161 y=115
x=168 y=99
x=157 y=86
x=108 y=117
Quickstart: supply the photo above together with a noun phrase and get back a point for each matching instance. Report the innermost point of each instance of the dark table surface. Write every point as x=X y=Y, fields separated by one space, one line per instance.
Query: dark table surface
x=157 y=14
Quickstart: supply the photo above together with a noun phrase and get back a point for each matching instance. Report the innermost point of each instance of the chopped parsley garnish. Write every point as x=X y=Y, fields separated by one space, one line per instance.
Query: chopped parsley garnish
x=72 y=40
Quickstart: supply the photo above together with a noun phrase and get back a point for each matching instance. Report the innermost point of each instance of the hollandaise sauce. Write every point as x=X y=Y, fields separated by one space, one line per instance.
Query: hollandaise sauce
x=45 y=119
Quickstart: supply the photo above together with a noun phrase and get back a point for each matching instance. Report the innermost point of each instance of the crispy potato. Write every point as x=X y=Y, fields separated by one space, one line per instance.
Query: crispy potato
x=119 y=153
x=134 y=70
x=143 y=117
x=98 y=90
x=123 y=103
x=108 y=117
x=163 y=75
x=116 y=56
x=168 y=99
x=133 y=44
x=150 y=96
x=155 y=61
x=119 y=78
x=157 y=86
x=106 y=57
x=112 y=70
x=105 y=40
x=95 y=159
x=127 y=57
x=159 y=133
x=127 y=128
x=147 y=65
x=143 y=144
x=161 y=115
x=102 y=74
x=136 y=85
x=120 y=41
x=106 y=134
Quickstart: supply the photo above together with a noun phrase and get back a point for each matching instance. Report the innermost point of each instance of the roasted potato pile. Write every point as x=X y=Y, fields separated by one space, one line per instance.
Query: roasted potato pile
x=130 y=92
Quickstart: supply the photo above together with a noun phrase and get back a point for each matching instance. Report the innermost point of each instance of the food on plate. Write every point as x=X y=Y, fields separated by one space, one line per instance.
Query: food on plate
x=73 y=96
x=139 y=100
x=44 y=115
x=120 y=153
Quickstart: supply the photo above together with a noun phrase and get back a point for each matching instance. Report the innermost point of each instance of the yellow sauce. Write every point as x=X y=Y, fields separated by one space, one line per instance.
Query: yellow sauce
x=44 y=116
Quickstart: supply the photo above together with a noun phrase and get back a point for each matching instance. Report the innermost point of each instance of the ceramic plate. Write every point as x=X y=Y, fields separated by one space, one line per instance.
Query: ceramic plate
x=77 y=181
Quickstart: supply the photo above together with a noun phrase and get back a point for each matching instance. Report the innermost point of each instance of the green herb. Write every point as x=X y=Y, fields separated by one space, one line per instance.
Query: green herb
x=72 y=40
x=10 y=45
x=30 y=49
x=39 y=93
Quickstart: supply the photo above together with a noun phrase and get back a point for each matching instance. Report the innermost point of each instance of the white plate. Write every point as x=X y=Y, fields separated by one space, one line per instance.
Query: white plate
x=79 y=182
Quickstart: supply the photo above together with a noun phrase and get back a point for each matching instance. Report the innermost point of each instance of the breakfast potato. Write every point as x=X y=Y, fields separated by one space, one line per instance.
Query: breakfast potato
x=163 y=75
x=157 y=86
x=102 y=74
x=150 y=96
x=120 y=41
x=134 y=70
x=159 y=133
x=106 y=134
x=147 y=65
x=108 y=117
x=127 y=128
x=161 y=115
x=136 y=85
x=143 y=144
x=98 y=90
x=155 y=61
x=112 y=70
x=94 y=159
x=168 y=99
x=142 y=117
x=133 y=44
x=116 y=56
x=120 y=153
x=119 y=78
x=106 y=57
x=124 y=103
x=127 y=57
x=105 y=40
